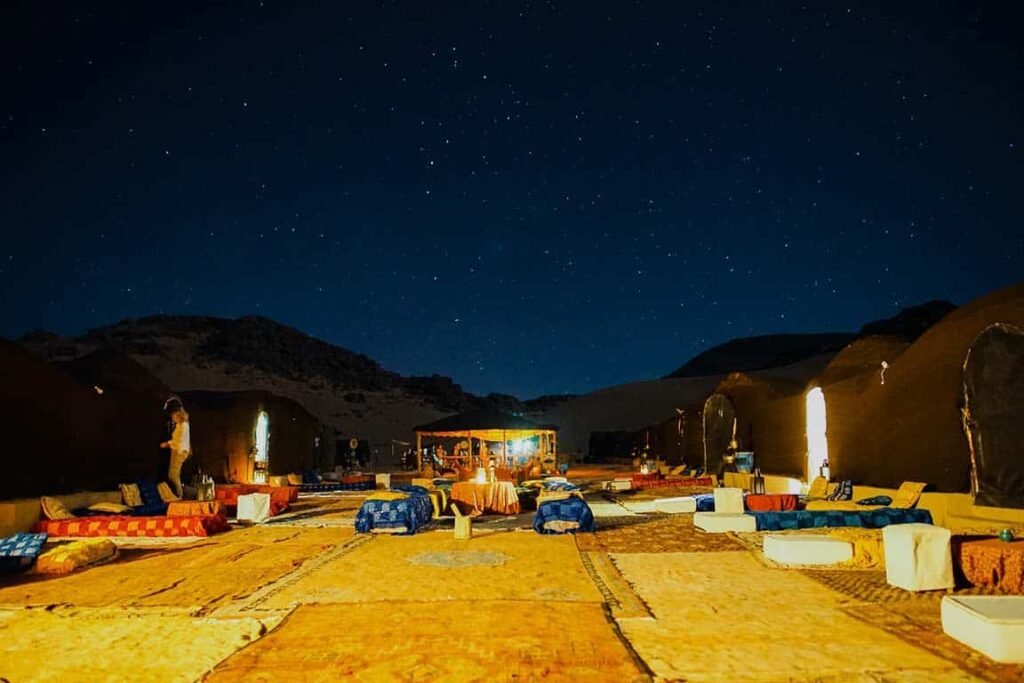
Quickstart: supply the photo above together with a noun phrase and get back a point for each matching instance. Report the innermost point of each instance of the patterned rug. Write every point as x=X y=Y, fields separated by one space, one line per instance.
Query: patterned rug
x=431 y=641
x=655 y=534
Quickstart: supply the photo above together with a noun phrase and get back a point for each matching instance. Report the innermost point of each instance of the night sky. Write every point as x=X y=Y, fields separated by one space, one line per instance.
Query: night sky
x=528 y=197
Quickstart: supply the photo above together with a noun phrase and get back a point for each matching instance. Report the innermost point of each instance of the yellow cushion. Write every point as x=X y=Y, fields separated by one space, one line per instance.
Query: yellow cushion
x=907 y=495
x=819 y=488
x=278 y=480
x=678 y=470
x=110 y=508
x=166 y=494
x=130 y=494
x=294 y=479
x=64 y=559
x=54 y=509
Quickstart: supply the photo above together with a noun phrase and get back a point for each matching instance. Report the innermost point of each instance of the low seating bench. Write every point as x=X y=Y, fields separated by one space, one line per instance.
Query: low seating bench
x=402 y=517
x=568 y=515
x=991 y=624
x=810 y=550
x=720 y=522
x=814 y=519
x=118 y=525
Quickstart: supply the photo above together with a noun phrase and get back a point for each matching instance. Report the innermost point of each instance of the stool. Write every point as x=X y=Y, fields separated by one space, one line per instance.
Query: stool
x=720 y=522
x=618 y=485
x=807 y=549
x=463 y=524
x=676 y=505
x=729 y=500
x=383 y=480
x=254 y=507
x=991 y=624
x=918 y=557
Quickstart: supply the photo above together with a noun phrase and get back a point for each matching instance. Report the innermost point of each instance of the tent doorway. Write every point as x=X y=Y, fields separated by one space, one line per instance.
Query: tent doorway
x=817 y=426
x=719 y=429
x=992 y=416
x=262 y=446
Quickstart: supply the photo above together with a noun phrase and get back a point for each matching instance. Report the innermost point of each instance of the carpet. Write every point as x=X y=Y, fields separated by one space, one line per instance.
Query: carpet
x=206 y=576
x=115 y=645
x=724 y=616
x=537 y=567
x=655 y=534
x=430 y=641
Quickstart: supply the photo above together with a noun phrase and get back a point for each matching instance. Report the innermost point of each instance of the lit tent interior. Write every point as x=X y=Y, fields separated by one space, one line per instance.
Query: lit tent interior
x=510 y=436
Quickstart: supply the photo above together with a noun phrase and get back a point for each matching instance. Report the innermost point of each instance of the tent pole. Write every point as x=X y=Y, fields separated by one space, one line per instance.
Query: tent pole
x=419 y=452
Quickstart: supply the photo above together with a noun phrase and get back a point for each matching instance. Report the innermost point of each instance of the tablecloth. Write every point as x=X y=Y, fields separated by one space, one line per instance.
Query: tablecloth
x=498 y=496
x=994 y=563
x=190 y=508
x=770 y=502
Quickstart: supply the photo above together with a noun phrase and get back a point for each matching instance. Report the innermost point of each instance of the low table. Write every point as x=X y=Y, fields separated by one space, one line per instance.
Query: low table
x=190 y=508
x=496 y=496
x=994 y=563
x=770 y=502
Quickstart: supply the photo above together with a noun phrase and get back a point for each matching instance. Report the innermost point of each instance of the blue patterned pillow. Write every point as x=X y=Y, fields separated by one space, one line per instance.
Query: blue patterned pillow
x=876 y=500
x=843 y=491
x=20 y=551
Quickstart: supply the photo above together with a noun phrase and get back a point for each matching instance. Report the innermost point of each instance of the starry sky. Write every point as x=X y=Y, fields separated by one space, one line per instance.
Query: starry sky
x=529 y=197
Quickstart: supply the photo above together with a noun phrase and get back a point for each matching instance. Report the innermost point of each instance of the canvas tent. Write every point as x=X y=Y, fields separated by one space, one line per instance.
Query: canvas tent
x=63 y=435
x=911 y=426
x=479 y=427
x=248 y=436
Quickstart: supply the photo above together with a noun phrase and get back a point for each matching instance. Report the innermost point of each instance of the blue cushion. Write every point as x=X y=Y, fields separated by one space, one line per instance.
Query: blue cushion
x=20 y=551
x=150 y=495
x=311 y=477
x=876 y=500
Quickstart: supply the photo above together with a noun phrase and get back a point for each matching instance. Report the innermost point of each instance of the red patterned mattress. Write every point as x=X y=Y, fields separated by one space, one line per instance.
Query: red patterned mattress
x=118 y=525
x=280 y=496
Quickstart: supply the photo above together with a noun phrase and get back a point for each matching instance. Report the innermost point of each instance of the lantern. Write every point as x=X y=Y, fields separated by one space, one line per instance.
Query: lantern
x=757 y=483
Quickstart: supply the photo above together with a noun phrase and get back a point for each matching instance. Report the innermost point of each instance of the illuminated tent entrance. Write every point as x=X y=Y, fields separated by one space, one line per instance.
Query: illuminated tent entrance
x=817 y=441
x=478 y=437
x=994 y=392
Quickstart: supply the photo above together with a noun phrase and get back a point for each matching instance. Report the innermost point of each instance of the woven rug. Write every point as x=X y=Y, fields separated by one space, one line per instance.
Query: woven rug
x=655 y=534
x=393 y=568
x=430 y=641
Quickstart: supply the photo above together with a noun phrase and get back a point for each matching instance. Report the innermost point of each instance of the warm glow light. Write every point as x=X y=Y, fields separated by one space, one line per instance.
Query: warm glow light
x=817 y=443
x=259 y=477
x=481 y=475
x=262 y=437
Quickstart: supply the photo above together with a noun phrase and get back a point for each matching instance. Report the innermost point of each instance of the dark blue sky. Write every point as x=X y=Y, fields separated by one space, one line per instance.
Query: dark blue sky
x=529 y=197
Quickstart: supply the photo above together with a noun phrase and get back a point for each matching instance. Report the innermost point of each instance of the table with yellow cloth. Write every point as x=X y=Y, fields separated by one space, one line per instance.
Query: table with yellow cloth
x=994 y=563
x=497 y=496
x=193 y=508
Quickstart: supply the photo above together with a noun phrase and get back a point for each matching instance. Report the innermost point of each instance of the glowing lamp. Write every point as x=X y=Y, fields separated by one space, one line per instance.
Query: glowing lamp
x=481 y=475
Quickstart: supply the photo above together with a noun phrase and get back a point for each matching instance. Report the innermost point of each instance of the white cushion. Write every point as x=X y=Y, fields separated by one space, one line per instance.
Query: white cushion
x=383 y=480
x=719 y=522
x=807 y=549
x=254 y=507
x=991 y=624
x=728 y=500
x=675 y=505
x=618 y=485
x=918 y=557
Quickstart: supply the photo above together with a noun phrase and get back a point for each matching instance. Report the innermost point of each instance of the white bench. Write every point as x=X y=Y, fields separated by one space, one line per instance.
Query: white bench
x=807 y=549
x=991 y=624
x=618 y=485
x=254 y=507
x=720 y=522
x=676 y=505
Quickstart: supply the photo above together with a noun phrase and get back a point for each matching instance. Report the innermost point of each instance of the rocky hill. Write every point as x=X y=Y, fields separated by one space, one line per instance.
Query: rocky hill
x=345 y=389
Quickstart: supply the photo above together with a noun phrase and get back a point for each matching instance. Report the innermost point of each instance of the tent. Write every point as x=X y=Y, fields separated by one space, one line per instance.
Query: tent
x=490 y=426
x=911 y=422
x=248 y=436
x=63 y=435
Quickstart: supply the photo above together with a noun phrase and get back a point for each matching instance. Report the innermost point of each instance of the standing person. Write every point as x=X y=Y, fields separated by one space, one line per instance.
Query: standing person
x=180 y=445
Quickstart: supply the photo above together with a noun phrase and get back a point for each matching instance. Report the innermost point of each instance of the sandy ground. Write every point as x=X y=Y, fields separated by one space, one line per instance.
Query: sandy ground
x=647 y=597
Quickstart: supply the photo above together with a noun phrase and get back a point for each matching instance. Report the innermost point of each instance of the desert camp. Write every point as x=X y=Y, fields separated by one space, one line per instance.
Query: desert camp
x=490 y=341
